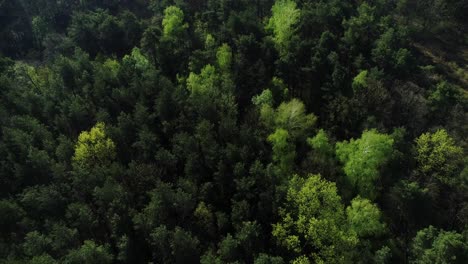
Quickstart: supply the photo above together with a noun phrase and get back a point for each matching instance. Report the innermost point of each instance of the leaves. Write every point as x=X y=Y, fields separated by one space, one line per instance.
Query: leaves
x=94 y=147
x=313 y=221
x=285 y=16
x=364 y=218
x=173 y=22
x=439 y=157
x=363 y=158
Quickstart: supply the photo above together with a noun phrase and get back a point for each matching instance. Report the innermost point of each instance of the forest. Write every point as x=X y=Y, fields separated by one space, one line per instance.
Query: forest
x=233 y=131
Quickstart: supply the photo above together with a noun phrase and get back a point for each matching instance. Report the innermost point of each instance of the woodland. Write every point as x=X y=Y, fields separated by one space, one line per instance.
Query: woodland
x=233 y=131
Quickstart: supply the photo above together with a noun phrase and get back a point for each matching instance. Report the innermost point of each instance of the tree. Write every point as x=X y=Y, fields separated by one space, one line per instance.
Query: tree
x=94 y=147
x=313 y=222
x=173 y=22
x=439 y=157
x=321 y=143
x=184 y=247
x=321 y=158
x=363 y=158
x=266 y=259
x=362 y=29
x=283 y=151
x=36 y=244
x=224 y=57
x=203 y=83
x=432 y=245
x=364 y=218
x=389 y=52
x=444 y=98
x=285 y=16
x=360 y=81
x=290 y=116
x=89 y=252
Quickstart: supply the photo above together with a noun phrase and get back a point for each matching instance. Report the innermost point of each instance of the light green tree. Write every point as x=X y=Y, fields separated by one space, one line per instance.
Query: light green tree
x=265 y=98
x=313 y=222
x=224 y=57
x=285 y=16
x=173 y=22
x=136 y=59
x=439 y=157
x=290 y=116
x=94 y=147
x=360 y=81
x=364 y=218
x=321 y=143
x=283 y=150
x=203 y=83
x=363 y=158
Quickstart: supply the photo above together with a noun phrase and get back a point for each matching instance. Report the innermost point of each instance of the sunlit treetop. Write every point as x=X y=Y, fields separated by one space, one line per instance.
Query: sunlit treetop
x=439 y=156
x=363 y=158
x=364 y=218
x=224 y=57
x=94 y=147
x=285 y=15
x=173 y=22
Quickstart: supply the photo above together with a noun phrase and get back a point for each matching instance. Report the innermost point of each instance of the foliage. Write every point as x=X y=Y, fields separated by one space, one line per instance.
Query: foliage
x=438 y=246
x=283 y=150
x=313 y=222
x=364 y=218
x=94 y=147
x=173 y=22
x=363 y=158
x=439 y=157
x=174 y=131
x=284 y=17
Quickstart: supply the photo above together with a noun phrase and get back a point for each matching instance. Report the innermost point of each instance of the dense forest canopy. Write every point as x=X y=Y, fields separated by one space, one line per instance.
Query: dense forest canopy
x=233 y=131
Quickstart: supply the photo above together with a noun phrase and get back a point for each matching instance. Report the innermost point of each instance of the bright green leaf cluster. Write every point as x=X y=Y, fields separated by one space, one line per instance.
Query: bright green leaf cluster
x=94 y=147
x=173 y=22
x=285 y=15
x=290 y=116
x=364 y=218
x=363 y=158
x=321 y=143
x=360 y=81
x=203 y=83
x=438 y=156
x=313 y=222
x=283 y=150
x=224 y=57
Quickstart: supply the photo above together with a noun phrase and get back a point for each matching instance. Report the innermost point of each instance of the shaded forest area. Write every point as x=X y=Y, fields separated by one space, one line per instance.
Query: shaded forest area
x=233 y=131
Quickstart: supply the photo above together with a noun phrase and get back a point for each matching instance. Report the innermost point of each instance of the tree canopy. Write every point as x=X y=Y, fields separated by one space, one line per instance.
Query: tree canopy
x=233 y=131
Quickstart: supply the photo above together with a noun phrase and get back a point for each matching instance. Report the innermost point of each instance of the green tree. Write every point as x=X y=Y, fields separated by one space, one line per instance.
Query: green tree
x=360 y=81
x=36 y=244
x=432 y=245
x=224 y=57
x=89 y=252
x=364 y=218
x=313 y=222
x=173 y=22
x=94 y=147
x=283 y=151
x=444 y=98
x=439 y=157
x=321 y=143
x=321 y=158
x=285 y=16
x=363 y=159
x=290 y=116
